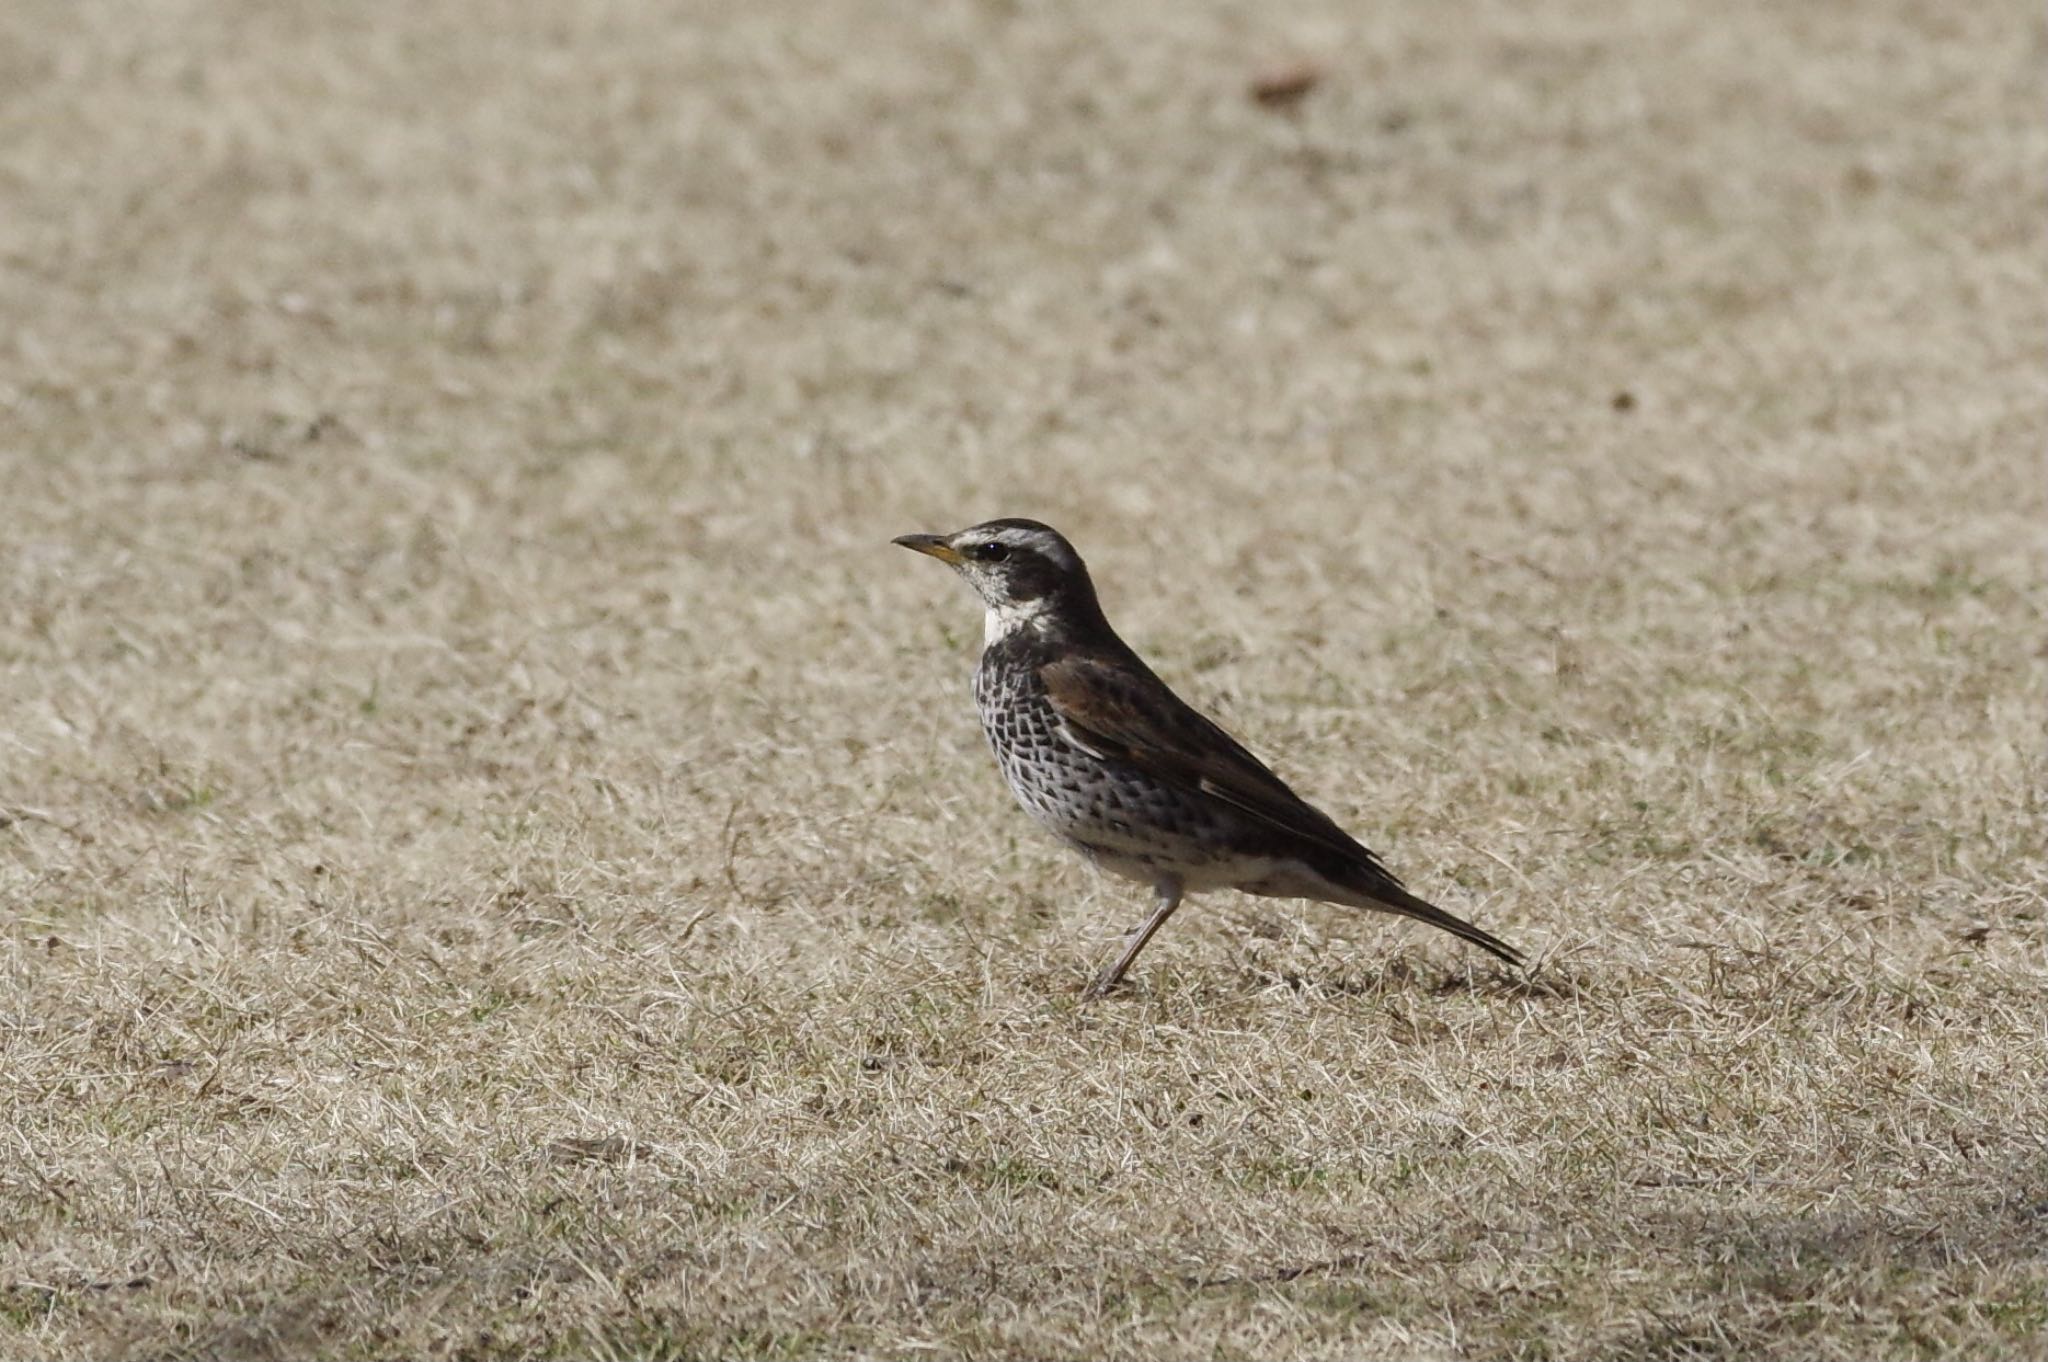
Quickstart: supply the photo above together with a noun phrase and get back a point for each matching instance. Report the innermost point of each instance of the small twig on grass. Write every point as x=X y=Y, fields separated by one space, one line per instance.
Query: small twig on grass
x=1503 y=862
x=1280 y=1274
x=21 y=813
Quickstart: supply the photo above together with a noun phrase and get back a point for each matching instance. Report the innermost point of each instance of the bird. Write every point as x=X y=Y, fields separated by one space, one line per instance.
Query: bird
x=1100 y=751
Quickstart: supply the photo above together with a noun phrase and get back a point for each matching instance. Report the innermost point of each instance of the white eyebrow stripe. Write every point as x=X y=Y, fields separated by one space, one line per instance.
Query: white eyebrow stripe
x=1038 y=541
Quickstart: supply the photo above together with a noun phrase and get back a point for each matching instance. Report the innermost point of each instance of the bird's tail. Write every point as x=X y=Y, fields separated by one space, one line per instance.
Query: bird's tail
x=1379 y=890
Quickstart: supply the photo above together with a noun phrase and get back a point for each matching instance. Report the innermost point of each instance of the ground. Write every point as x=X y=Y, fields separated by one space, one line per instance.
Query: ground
x=498 y=859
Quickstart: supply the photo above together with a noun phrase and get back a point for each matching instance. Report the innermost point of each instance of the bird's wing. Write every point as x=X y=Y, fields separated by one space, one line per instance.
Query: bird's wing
x=1128 y=715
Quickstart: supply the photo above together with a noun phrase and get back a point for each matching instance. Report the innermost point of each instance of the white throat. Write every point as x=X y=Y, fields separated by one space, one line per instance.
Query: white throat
x=1001 y=621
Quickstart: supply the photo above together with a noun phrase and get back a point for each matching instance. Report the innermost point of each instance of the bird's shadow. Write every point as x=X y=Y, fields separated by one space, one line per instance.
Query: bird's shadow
x=1401 y=974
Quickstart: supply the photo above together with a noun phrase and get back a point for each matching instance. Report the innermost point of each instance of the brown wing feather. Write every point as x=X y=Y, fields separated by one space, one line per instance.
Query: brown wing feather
x=1122 y=712
x=1109 y=709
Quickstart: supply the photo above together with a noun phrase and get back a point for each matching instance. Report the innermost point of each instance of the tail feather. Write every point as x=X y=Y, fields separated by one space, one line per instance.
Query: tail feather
x=1376 y=888
x=1407 y=905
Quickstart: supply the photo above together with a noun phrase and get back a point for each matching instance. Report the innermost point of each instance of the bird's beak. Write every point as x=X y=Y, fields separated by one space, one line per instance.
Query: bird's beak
x=933 y=544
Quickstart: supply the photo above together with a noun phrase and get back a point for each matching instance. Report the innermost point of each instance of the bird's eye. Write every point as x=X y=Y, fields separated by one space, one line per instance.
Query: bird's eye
x=994 y=551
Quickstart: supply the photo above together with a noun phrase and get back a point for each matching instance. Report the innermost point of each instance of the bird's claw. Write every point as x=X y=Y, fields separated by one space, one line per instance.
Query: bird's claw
x=1102 y=984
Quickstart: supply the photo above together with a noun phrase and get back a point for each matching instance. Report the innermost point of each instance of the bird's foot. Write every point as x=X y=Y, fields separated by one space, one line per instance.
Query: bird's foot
x=1103 y=983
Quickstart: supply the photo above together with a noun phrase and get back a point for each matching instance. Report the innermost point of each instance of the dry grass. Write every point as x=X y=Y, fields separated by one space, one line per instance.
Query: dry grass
x=498 y=857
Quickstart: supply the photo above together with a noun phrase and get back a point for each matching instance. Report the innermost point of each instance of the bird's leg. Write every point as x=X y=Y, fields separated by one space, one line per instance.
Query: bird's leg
x=1169 y=893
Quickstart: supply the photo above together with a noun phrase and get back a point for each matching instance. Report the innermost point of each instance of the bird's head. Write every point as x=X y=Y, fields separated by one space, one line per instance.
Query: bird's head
x=1027 y=574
